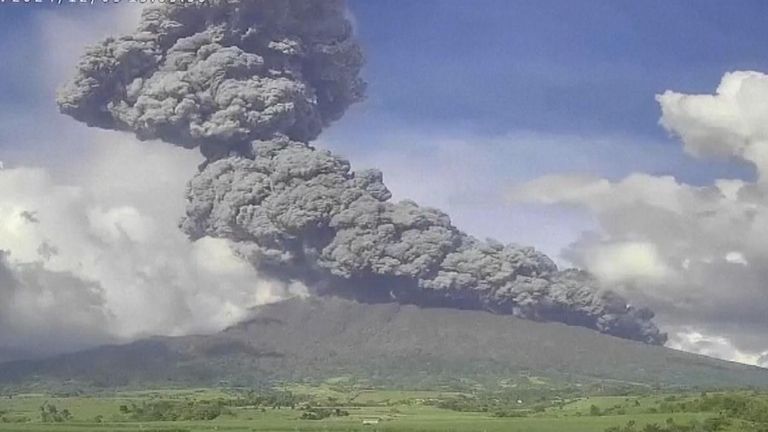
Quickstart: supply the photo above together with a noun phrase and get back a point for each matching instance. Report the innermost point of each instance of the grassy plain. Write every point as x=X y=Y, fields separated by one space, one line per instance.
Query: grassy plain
x=348 y=408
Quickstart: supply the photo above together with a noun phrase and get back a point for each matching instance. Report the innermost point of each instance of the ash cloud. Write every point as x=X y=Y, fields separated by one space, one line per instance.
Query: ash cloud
x=251 y=84
x=220 y=74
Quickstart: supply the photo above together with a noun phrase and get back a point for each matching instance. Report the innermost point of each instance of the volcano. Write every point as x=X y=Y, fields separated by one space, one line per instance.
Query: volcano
x=399 y=345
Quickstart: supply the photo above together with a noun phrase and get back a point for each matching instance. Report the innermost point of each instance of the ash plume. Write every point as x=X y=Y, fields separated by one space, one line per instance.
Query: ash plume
x=251 y=83
x=219 y=74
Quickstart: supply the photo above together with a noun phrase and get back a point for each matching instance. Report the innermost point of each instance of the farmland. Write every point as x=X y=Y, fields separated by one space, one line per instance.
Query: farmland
x=349 y=407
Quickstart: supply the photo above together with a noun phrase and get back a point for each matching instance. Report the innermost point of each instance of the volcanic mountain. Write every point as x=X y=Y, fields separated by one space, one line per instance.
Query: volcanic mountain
x=392 y=344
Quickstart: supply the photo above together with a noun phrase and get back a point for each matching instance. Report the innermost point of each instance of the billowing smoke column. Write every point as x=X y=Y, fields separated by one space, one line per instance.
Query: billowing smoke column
x=251 y=83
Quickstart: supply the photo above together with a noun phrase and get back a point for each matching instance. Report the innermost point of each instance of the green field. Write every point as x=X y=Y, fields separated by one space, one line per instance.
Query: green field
x=340 y=408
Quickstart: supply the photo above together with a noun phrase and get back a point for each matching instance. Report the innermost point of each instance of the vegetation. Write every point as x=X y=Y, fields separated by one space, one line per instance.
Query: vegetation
x=712 y=424
x=166 y=410
x=281 y=345
x=525 y=404
x=50 y=414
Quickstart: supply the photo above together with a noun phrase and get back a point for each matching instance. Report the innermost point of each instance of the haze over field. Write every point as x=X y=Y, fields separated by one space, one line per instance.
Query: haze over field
x=271 y=216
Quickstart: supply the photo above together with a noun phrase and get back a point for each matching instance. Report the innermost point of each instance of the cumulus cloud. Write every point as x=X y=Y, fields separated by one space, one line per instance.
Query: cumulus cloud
x=730 y=123
x=697 y=254
x=47 y=311
x=691 y=340
x=100 y=259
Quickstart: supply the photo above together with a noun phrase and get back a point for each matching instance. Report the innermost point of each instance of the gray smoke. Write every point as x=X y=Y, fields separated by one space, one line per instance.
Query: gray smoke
x=251 y=84
x=219 y=74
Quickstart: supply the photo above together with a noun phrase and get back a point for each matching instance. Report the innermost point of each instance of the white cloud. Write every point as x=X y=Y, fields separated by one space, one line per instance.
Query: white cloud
x=44 y=311
x=112 y=224
x=696 y=254
x=111 y=233
x=691 y=340
x=736 y=257
x=730 y=123
x=627 y=261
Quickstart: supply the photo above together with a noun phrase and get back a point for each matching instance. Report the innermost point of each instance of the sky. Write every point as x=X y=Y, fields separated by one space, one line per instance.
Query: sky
x=534 y=122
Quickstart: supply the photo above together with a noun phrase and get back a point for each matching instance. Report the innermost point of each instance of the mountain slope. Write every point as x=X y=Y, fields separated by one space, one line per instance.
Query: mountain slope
x=389 y=343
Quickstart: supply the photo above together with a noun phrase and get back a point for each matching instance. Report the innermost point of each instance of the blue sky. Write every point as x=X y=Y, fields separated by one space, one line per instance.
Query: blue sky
x=564 y=66
x=583 y=68
x=517 y=88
